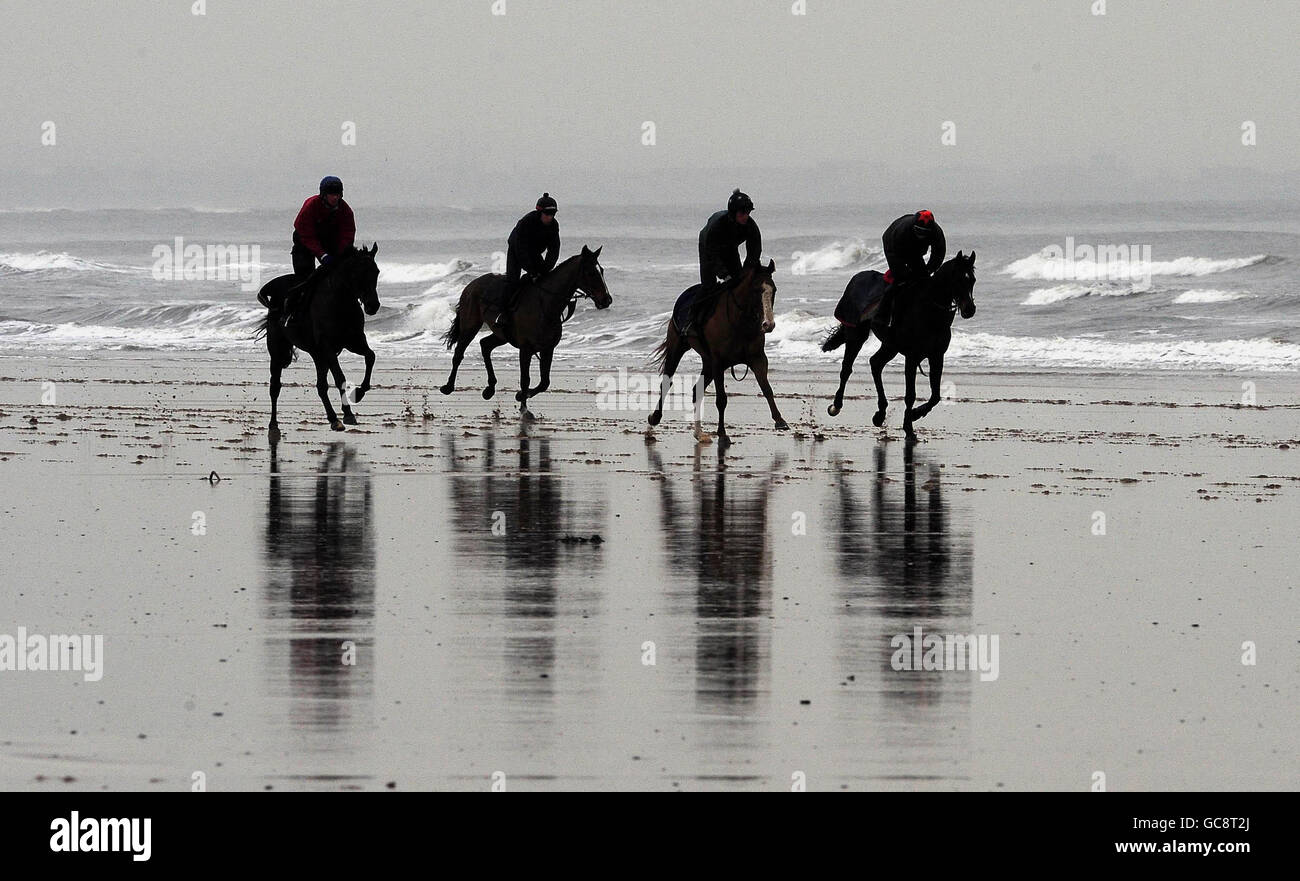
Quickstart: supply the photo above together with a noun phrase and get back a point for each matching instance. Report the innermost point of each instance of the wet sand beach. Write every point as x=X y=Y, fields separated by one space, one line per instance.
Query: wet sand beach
x=444 y=593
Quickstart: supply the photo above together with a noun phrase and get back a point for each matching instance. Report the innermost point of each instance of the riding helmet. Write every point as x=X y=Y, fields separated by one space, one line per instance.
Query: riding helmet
x=739 y=202
x=331 y=184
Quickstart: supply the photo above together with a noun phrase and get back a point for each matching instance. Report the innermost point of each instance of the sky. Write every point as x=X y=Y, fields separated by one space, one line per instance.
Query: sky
x=143 y=103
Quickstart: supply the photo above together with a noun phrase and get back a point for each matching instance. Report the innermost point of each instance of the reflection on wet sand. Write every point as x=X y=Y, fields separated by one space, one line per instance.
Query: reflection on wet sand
x=512 y=519
x=903 y=563
x=719 y=540
x=319 y=563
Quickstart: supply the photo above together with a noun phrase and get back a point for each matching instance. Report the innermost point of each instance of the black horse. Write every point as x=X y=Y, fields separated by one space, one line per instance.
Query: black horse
x=922 y=330
x=538 y=320
x=329 y=320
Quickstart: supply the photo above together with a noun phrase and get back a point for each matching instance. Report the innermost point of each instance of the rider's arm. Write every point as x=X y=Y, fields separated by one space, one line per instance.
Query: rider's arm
x=552 y=248
x=938 y=249
x=305 y=226
x=347 y=226
x=753 y=244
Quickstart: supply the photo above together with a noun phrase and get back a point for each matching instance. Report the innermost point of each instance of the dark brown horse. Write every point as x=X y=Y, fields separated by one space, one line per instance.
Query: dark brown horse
x=537 y=325
x=922 y=330
x=728 y=332
x=328 y=322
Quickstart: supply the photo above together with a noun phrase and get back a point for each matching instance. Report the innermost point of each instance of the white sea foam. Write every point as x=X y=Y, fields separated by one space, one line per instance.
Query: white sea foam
x=414 y=273
x=1209 y=295
x=1053 y=267
x=45 y=261
x=836 y=255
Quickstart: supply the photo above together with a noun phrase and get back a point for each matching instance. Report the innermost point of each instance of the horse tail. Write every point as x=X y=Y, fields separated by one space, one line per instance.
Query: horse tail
x=452 y=336
x=834 y=339
x=263 y=327
x=660 y=355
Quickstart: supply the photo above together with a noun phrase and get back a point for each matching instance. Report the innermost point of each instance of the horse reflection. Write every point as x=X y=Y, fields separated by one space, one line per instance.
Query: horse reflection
x=522 y=524
x=319 y=558
x=903 y=563
x=719 y=538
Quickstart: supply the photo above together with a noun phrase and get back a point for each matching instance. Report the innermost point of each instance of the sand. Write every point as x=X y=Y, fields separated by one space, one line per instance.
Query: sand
x=419 y=602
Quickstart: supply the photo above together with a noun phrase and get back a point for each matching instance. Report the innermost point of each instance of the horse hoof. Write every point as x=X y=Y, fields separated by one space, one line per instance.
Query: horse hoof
x=781 y=426
x=879 y=419
x=359 y=392
x=527 y=415
x=703 y=437
x=489 y=392
x=350 y=419
x=654 y=417
x=447 y=389
x=273 y=434
x=336 y=425
x=724 y=440
x=521 y=397
x=832 y=410
x=910 y=436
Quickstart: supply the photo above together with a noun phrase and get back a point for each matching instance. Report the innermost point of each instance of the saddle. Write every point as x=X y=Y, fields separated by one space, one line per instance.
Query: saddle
x=862 y=297
x=682 y=308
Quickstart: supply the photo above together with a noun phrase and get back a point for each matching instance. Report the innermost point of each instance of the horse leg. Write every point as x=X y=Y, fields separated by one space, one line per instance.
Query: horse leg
x=467 y=331
x=363 y=349
x=936 y=372
x=672 y=357
x=337 y=370
x=883 y=356
x=698 y=391
x=759 y=366
x=909 y=397
x=544 y=365
x=720 y=400
x=852 y=346
x=522 y=395
x=273 y=430
x=486 y=345
x=323 y=389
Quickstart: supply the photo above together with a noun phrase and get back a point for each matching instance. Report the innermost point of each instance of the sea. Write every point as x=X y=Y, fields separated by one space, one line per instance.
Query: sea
x=1120 y=287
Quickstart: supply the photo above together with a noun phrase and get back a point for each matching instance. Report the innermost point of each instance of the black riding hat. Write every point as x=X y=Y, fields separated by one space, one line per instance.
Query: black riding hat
x=739 y=202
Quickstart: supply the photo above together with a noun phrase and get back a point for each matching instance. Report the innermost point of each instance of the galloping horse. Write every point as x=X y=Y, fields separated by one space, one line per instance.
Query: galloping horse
x=727 y=329
x=328 y=322
x=922 y=330
x=538 y=322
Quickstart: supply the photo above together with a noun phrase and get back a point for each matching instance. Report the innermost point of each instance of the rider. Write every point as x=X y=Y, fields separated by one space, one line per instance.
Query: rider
x=721 y=238
x=533 y=247
x=906 y=241
x=324 y=228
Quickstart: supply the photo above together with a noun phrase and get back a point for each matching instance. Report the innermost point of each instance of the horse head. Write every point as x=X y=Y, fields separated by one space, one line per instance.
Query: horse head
x=361 y=272
x=955 y=283
x=591 y=278
x=762 y=281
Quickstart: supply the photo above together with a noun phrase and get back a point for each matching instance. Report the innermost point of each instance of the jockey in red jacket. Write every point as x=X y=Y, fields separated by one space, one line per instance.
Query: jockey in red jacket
x=323 y=229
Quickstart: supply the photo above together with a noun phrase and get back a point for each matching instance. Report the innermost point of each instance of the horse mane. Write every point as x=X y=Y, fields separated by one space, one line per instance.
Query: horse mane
x=706 y=302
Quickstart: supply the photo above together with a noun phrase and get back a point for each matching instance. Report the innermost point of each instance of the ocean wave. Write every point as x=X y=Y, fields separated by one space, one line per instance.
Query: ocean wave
x=1209 y=295
x=836 y=255
x=994 y=350
x=414 y=273
x=1047 y=266
x=1062 y=292
x=46 y=261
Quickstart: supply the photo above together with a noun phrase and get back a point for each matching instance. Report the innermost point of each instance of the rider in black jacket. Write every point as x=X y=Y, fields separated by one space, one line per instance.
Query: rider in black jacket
x=906 y=241
x=722 y=236
x=533 y=247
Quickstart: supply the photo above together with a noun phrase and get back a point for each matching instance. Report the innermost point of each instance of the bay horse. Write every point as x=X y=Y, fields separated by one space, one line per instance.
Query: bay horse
x=538 y=320
x=727 y=329
x=921 y=331
x=328 y=320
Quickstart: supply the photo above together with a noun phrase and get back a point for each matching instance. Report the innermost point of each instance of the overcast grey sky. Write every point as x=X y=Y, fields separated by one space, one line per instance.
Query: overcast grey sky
x=244 y=106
